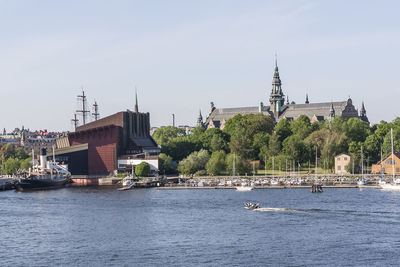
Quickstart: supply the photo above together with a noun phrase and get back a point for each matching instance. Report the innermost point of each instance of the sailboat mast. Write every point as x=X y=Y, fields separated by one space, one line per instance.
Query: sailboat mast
x=381 y=164
x=362 y=163
x=233 y=169
x=316 y=162
x=273 y=167
x=391 y=136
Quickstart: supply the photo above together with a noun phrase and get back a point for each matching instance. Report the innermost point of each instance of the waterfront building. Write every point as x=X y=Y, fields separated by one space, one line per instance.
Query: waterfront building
x=111 y=144
x=279 y=109
x=341 y=162
x=387 y=164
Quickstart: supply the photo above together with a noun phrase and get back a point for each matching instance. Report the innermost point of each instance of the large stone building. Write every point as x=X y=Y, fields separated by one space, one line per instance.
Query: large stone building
x=279 y=108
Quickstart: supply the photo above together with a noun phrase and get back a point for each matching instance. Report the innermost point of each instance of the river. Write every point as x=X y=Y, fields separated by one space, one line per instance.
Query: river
x=148 y=227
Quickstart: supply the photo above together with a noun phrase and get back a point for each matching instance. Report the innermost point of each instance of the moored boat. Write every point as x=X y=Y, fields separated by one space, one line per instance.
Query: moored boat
x=47 y=175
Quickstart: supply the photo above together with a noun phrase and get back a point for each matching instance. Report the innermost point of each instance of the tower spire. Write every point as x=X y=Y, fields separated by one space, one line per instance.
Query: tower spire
x=307 y=102
x=200 y=120
x=136 y=101
x=276 y=98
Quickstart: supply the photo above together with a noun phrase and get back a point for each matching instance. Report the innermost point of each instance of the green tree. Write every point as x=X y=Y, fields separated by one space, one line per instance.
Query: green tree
x=165 y=164
x=165 y=134
x=218 y=143
x=242 y=166
x=214 y=139
x=180 y=147
x=20 y=153
x=142 y=170
x=301 y=126
x=11 y=166
x=196 y=161
x=294 y=147
x=274 y=145
x=283 y=130
x=9 y=151
x=357 y=130
x=216 y=164
x=26 y=164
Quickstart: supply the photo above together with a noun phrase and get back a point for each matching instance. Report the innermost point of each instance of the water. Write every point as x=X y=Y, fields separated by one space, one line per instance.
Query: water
x=105 y=227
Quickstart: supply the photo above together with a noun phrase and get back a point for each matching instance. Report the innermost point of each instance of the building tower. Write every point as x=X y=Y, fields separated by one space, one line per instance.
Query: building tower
x=307 y=102
x=276 y=98
x=331 y=115
x=200 y=120
x=363 y=113
x=136 y=103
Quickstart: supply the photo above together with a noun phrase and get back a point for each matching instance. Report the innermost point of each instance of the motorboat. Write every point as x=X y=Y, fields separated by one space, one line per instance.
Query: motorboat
x=244 y=188
x=127 y=183
x=251 y=206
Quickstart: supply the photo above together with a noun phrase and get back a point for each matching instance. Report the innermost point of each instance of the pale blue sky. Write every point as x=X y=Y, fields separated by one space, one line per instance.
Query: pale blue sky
x=183 y=54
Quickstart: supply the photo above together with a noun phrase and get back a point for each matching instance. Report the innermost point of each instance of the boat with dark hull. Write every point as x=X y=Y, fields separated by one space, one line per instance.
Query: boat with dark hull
x=41 y=183
x=47 y=175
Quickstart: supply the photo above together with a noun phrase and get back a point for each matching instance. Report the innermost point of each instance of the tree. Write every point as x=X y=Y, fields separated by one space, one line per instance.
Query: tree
x=11 y=166
x=301 y=126
x=26 y=164
x=20 y=153
x=216 y=165
x=180 y=147
x=242 y=166
x=165 y=163
x=165 y=134
x=9 y=151
x=214 y=139
x=274 y=145
x=196 y=161
x=357 y=130
x=294 y=147
x=218 y=143
x=142 y=170
x=283 y=130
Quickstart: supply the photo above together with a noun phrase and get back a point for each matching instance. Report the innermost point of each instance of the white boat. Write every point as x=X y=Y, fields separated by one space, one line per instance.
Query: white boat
x=395 y=185
x=129 y=181
x=244 y=188
x=274 y=182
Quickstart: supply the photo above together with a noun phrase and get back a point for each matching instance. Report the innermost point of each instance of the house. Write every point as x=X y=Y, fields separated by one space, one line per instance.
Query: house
x=341 y=162
x=387 y=164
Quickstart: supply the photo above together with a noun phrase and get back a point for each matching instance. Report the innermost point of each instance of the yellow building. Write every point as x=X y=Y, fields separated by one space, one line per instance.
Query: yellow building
x=387 y=163
x=341 y=161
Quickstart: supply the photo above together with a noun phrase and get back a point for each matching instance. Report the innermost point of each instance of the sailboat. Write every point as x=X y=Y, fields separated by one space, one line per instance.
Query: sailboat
x=274 y=182
x=362 y=181
x=395 y=185
x=242 y=187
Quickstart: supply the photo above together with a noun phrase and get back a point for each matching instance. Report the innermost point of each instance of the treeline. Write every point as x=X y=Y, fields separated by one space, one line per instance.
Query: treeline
x=254 y=137
x=14 y=159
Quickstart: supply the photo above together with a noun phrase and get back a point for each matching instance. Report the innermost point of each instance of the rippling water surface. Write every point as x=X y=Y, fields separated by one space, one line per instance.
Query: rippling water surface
x=97 y=227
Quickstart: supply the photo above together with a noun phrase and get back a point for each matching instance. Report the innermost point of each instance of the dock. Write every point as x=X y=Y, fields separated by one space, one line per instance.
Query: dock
x=342 y=186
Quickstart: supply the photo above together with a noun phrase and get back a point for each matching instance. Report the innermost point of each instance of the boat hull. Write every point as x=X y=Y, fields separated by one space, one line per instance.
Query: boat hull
x=390 y=187
x=41 y=184
x=244 y=188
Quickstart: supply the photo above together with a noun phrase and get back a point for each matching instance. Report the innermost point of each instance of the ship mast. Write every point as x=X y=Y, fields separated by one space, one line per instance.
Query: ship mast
x=391 y=136
x=84 y=111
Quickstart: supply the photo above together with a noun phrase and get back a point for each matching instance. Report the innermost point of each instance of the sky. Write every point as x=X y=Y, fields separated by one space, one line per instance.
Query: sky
x=181 y=55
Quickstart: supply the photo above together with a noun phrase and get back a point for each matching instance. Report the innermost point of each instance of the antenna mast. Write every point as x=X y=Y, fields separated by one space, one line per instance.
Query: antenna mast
x=84 y=111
